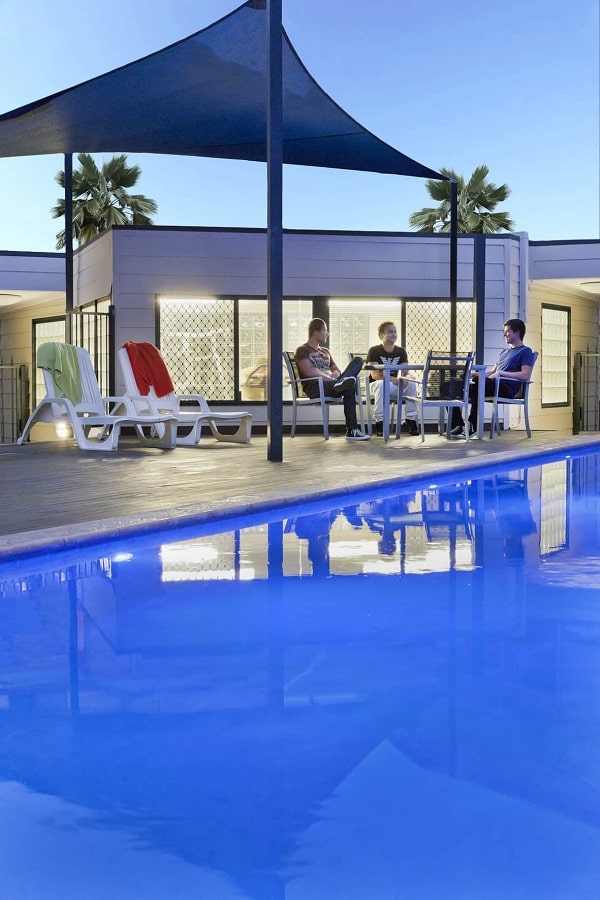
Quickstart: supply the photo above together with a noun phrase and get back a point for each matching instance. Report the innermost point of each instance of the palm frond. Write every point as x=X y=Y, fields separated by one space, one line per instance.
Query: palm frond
x=477 y=200
x=101 y=198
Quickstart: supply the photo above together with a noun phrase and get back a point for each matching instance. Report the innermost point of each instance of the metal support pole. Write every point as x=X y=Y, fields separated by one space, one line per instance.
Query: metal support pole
x=479 y=249
x=68 y=245
x=453 y=261
x=453 y=240
x=275 y=233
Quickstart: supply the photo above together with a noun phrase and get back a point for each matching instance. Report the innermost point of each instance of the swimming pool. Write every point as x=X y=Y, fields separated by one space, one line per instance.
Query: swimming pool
x=395 y=697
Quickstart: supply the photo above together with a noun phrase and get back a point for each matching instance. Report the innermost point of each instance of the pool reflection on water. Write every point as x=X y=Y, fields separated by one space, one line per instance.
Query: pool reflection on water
x=395 y=697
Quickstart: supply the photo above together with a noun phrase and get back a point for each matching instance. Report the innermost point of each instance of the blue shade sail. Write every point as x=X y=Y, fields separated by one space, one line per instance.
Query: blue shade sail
x=205 y=95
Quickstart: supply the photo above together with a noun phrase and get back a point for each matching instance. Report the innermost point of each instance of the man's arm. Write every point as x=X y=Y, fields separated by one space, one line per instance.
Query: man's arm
x=522 y=374
x=373 y=358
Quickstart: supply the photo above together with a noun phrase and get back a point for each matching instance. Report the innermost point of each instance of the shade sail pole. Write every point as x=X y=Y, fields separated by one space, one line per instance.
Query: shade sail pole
x=453 y=239
x=68 y=246
x=275 y=233
x=453 y=262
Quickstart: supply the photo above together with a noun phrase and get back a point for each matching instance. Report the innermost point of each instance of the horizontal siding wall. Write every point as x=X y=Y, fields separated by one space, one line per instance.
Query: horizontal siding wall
x=502 y=300
x=32 y=272
x=190 y=263
x=557 y=259
x=93 y=270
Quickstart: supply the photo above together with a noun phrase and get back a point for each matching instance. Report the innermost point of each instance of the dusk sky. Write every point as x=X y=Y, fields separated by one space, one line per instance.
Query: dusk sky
x=512 y=85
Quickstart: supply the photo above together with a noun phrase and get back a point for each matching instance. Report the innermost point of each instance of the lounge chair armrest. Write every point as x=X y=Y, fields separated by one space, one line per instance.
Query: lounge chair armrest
x=124 y=403
x=61 y=401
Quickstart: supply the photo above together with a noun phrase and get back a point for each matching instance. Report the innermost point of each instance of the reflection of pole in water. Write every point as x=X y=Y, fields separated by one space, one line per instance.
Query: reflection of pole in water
x=73 y=641
x=276 y=661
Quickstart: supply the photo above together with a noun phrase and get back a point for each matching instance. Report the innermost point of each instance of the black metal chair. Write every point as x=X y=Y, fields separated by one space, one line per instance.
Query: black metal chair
x=445 y=386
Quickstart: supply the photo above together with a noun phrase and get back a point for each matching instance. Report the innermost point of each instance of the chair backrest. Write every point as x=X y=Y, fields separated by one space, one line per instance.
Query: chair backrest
x=293 y=373
x=524 y=389
x=168 y=403
x=91 y=399
x=447 y=376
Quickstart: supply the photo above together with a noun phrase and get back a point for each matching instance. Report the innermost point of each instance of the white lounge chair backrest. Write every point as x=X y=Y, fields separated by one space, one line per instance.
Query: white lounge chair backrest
x=192 y=411
x=93 y=412
x=91 y=402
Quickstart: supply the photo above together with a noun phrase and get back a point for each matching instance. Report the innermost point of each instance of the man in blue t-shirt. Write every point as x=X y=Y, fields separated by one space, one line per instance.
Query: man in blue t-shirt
x=516 y=360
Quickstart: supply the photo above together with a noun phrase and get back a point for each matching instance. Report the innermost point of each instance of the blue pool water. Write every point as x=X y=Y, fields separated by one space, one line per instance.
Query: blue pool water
x=393 y=698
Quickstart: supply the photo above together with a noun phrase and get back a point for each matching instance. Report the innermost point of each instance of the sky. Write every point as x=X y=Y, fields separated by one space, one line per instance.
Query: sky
x=513 y=85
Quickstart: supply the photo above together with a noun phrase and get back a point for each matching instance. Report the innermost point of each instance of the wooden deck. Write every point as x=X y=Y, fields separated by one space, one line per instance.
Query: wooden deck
x=54 y=494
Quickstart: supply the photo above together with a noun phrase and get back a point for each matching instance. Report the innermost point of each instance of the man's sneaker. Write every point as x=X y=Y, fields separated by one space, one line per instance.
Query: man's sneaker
x=412 y=427
x=355 y=434
x=379 y=429
x=341 y=384
x=460 y=431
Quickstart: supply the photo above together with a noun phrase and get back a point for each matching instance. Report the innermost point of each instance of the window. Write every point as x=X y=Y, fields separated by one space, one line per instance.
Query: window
x=556 y=354
x=204 y=339
x=51 y=329
x=253 y=342
x=422 y=325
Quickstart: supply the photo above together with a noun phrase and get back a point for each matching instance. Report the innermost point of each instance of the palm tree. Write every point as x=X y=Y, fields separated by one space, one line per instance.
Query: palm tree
x=101 y=198
x=476 y=199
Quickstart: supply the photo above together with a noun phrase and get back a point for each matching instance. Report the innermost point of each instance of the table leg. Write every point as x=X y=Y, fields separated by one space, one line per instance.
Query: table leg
x=386 y=405
x=480 y=404
x=399 y=402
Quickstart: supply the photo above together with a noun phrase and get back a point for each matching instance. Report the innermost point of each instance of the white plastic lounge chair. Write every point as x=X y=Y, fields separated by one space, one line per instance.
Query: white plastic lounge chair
x=190 y=418
x=88 y=410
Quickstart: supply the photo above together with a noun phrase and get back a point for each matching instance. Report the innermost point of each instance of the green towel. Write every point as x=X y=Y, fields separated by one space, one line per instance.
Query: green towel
x=62 y=362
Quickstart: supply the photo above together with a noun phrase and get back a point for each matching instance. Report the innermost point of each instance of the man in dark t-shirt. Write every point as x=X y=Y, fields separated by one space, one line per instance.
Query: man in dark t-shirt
x=388 y=352
x=316 y=363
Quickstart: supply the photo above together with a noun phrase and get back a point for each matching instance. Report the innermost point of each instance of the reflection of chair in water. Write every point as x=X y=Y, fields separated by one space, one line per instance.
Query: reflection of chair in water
x=387 y=518
x=446 y=511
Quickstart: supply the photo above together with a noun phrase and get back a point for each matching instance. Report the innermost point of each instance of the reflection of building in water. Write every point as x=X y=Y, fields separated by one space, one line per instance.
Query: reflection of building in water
x=553 y=513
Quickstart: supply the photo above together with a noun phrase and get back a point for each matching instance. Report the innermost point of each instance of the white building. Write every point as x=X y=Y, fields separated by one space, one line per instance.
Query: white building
x=200 y=294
